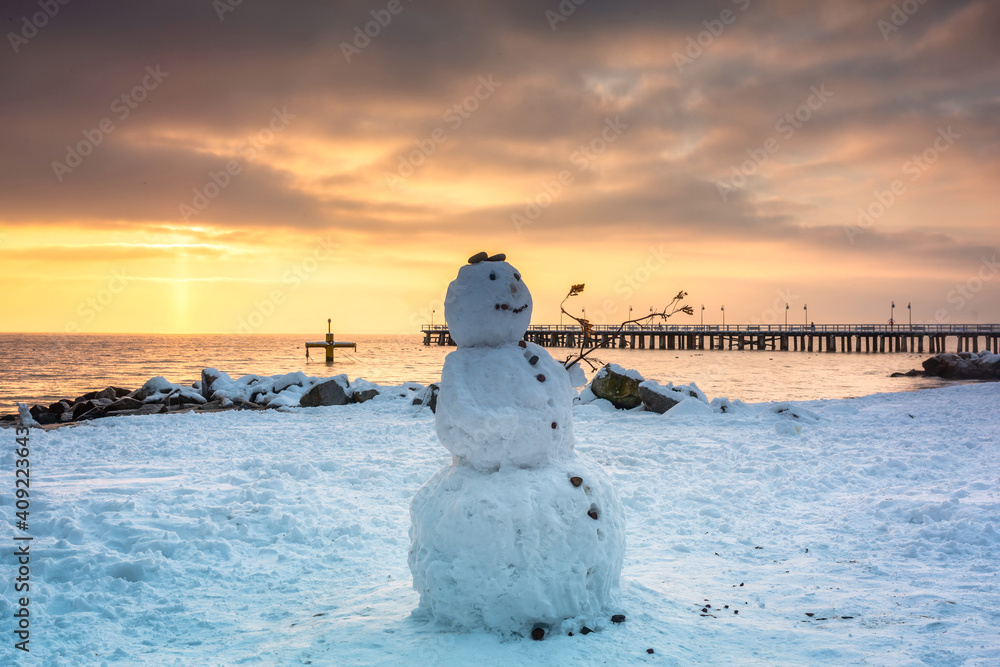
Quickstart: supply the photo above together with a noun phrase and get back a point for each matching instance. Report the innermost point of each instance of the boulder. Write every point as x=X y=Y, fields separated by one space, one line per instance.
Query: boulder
x=660 y=398
x=991 y=362
x=618 y=385
x=99 y=405
x=296 y=379
x=240 y=404
x=655 y=399
x=964 y=366
x=93 y=413
x=125 y=403
x=208 y=376
x=60 y=406
x=219 y=405
x=364 y=395
x=81 y=407
x=428 y=397
x=913 y=372
x=933 y=365
x=363 y=390
x=143 y=409
x=42 y=415
x=328 y=392
x=159 y=390
x=108 y=392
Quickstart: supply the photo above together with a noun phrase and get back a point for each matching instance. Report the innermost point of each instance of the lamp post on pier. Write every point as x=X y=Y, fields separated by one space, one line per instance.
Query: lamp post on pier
x=432 y=317
x=805 y=307
x=909 y=312
x=723 y=316
x=702 y=314
x=892 y=312
x=786 y=314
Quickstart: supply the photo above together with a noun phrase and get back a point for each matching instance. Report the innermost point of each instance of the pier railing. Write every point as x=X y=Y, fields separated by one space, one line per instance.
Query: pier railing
x=806 y=337
x=818 y=329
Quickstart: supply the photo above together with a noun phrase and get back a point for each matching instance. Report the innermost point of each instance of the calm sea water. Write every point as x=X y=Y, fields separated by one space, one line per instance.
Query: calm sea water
x=42 y=368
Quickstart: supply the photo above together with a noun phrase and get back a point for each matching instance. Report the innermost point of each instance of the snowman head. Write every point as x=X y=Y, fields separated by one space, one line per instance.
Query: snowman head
x=488 y=303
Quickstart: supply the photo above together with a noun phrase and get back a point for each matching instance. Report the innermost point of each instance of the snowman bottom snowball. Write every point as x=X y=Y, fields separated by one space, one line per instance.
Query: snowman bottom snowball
x=518 y=549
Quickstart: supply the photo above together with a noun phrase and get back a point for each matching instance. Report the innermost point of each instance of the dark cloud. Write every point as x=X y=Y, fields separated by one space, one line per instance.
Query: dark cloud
x=688 y=126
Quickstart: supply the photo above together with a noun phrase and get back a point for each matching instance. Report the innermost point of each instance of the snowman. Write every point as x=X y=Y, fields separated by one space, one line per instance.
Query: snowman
x=519 y=534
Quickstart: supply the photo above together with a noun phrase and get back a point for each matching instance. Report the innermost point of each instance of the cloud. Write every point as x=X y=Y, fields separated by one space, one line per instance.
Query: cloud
x=354 y=122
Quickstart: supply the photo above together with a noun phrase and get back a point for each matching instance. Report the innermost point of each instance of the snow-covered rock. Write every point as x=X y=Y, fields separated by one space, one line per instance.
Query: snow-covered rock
x=618 y=385
x=159 y=390
x=428 y=397
x=660 y=398
x=363 y=390
x=329 y=392
x=964 y=366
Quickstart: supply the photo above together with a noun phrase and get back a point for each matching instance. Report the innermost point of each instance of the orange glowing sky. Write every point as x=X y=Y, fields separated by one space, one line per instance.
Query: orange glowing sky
x=355 y=190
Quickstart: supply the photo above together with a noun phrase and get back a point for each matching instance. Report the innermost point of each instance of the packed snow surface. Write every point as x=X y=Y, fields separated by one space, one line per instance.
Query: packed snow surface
x=868 y=535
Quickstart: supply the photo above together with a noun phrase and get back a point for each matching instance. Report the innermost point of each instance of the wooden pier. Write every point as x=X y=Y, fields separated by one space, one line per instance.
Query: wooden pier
x=917 y=338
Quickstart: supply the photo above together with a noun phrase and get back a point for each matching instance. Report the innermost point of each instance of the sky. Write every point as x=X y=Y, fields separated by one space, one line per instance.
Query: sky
x=258 y=167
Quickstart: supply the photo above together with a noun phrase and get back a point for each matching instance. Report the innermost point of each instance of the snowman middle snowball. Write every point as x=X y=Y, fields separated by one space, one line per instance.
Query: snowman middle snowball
x=503 y=402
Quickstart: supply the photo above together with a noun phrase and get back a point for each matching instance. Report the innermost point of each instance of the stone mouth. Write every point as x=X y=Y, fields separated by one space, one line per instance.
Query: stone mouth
x=504 y=306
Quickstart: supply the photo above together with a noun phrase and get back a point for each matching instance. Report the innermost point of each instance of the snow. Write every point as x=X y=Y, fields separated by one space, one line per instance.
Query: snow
x=516 y=549
x=621 y=370
x=24 y=412
x=678 y=392
x=280 y=537
x=493 y=411
x=158 y=388
x=272 y=391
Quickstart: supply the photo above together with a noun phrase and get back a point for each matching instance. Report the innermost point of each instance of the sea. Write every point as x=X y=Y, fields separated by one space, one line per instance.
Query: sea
x=44 y=368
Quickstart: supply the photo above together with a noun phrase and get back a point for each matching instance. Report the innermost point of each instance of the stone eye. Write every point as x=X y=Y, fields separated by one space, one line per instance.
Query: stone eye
x=517 y=276
x=493 y=276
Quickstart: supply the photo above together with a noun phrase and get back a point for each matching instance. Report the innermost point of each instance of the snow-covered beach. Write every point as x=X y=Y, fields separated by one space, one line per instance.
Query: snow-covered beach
x=862 y=531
